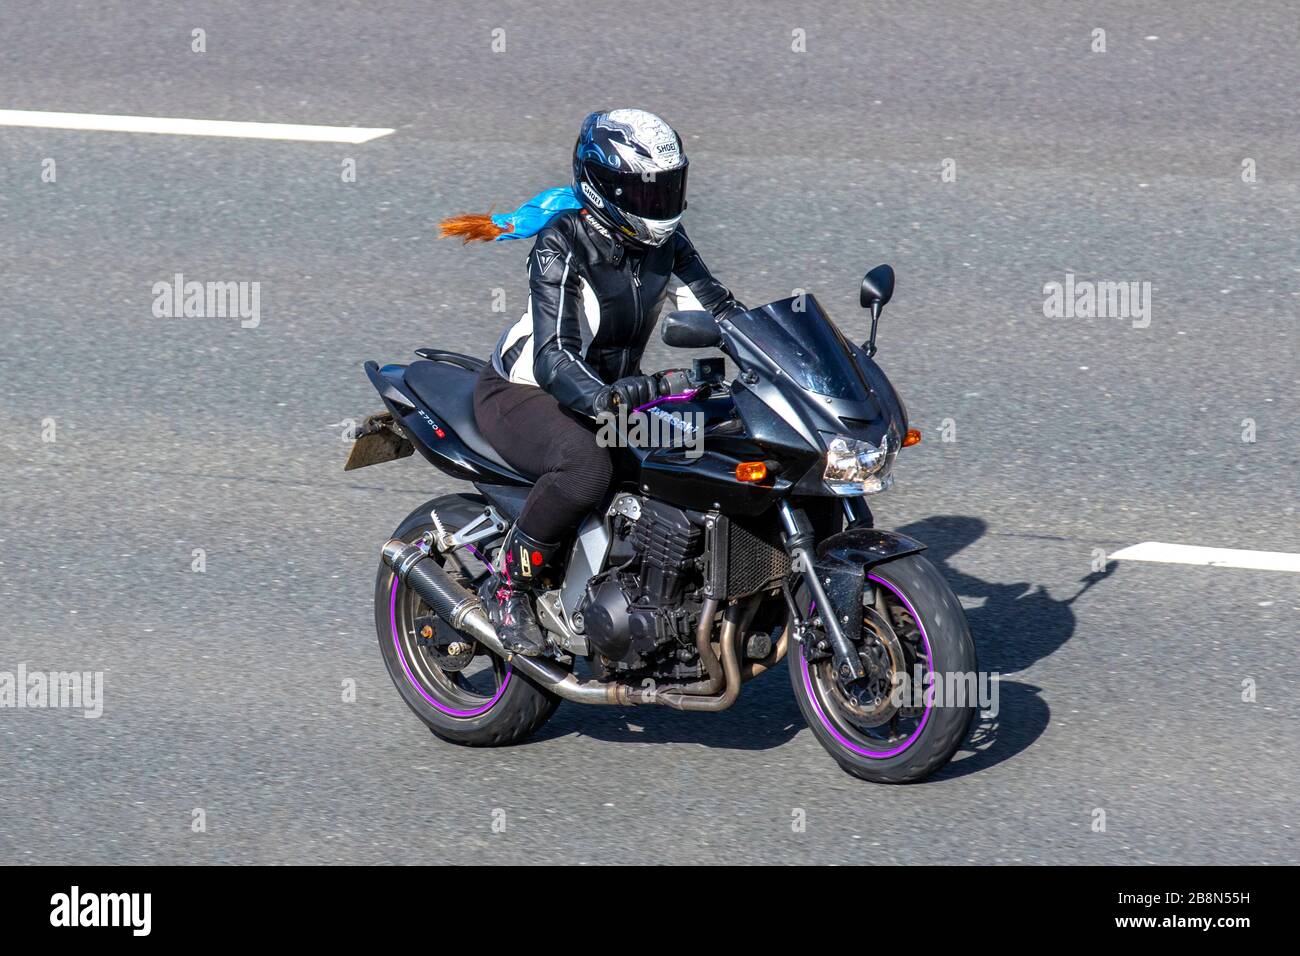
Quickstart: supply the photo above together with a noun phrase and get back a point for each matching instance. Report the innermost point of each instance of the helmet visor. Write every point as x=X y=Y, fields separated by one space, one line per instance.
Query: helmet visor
x=658 y=194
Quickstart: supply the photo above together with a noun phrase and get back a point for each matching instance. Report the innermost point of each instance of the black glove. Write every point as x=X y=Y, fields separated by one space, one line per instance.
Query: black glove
x=631 y=392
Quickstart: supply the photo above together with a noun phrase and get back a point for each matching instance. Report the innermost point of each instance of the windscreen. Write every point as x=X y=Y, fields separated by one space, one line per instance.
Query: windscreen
x=807 y=346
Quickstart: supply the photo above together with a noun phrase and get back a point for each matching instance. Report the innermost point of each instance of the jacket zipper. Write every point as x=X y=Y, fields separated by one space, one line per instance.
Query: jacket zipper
x=636 y=320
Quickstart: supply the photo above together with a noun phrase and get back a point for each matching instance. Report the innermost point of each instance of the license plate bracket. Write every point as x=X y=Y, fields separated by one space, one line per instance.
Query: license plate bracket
x=376 y=442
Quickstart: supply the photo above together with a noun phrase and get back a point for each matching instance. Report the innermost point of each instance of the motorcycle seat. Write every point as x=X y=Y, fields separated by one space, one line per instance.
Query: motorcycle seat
x=448 y=390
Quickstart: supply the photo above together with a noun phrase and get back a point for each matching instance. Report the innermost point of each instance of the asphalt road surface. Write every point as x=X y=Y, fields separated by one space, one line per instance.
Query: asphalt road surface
x=127 y=441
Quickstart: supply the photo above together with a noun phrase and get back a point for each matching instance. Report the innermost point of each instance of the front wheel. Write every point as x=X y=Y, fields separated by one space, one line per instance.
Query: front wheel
x=881 y=728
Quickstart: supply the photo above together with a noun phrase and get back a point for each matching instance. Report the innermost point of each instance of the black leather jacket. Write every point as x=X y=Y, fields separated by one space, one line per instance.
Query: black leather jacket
x=593 y=303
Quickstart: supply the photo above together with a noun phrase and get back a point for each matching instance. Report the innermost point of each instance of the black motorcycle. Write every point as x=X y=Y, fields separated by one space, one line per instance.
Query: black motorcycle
x=711 y=562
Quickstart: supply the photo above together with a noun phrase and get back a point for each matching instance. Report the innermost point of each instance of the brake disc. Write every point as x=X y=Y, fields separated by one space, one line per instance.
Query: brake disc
x=869 y=700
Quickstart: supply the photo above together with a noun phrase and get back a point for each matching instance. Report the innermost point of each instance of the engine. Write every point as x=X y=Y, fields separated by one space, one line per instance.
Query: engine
x=643 y=611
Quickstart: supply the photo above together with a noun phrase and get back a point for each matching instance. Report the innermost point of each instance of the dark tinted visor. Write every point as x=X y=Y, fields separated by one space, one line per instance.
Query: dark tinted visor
x=661 y=197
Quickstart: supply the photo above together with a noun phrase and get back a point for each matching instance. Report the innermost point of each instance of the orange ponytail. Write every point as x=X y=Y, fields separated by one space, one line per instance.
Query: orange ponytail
x=479 y=228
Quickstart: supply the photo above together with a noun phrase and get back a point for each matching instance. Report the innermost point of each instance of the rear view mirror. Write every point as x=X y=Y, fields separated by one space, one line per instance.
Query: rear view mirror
x=691 y=330
x=878 y=288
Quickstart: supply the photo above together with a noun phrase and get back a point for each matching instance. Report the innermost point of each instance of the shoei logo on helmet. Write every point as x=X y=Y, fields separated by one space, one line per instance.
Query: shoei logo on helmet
x=593 y=196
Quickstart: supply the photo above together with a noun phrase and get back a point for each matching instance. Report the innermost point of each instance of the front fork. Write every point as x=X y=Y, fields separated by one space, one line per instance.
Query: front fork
x=799 y=542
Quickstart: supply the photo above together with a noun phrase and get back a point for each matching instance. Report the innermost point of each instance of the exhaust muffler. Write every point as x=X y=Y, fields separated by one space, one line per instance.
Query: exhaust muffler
x=449 y=600
x=462 y=610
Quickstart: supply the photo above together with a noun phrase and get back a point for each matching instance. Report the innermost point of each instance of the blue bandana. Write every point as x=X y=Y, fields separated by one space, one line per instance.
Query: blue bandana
x=532 y=217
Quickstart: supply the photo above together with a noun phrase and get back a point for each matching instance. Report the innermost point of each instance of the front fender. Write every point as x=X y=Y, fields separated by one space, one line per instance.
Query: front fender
x=843 y=561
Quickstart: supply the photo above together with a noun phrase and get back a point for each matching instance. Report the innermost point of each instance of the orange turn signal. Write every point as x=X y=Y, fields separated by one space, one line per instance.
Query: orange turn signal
x=751 y=471
x=913 y=437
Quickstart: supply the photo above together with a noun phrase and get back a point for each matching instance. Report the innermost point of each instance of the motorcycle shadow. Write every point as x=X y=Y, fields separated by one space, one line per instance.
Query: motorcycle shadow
x=1021 y=717
x=764 y=716
x=1018 y=624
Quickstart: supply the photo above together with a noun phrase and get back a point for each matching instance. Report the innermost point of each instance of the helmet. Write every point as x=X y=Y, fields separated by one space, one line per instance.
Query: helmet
x=629 y=171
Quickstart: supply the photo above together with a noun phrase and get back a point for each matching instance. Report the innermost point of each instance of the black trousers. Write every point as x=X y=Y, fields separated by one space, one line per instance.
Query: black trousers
x=538 y=435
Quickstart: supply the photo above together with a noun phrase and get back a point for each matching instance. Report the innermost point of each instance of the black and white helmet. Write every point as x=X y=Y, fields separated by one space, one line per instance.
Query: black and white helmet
x=629 y=170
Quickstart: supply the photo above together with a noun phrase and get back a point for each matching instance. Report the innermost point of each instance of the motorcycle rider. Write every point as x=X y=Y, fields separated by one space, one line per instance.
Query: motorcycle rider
x=598 y=274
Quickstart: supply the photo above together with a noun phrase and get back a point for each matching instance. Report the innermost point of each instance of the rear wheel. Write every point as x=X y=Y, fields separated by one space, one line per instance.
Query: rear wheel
x=466 y=695
x=914 y=626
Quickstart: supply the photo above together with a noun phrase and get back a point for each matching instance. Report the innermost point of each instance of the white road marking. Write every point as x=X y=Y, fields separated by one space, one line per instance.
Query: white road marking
x=189 y=127
x=1212 y=557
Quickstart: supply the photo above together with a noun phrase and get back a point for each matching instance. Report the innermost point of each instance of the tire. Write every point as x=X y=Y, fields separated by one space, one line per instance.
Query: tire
x=496 y=706
x=928 y=738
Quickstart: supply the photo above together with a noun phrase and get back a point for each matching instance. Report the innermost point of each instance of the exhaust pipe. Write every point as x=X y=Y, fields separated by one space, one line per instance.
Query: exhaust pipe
x=449 y=600
x=678 y=700
x=462 y=610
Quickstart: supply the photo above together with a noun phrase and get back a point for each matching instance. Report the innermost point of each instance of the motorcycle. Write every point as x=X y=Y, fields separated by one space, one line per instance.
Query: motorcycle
x=707 y=567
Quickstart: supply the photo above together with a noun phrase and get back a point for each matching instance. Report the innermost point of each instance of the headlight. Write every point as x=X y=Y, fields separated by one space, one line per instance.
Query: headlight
x=856 y=467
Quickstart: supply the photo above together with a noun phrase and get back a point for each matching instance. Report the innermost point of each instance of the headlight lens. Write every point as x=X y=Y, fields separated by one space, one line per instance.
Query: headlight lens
x=855 y=467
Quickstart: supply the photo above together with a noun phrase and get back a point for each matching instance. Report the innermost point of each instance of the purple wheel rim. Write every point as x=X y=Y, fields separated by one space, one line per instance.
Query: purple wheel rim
x=406 y=669
x=834 y=732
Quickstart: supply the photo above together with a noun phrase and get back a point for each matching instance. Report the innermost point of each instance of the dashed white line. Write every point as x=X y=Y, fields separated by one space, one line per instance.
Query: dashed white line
x=1211 y=557
x=189 y=127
